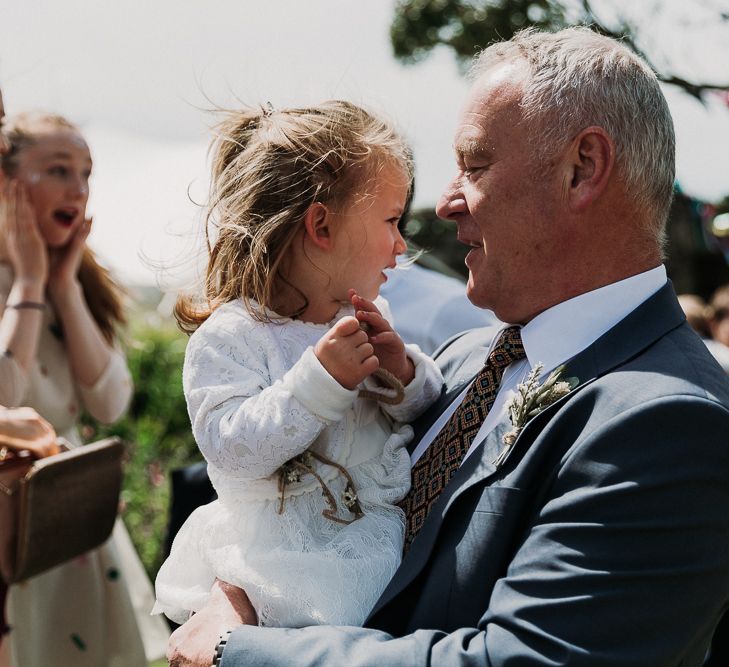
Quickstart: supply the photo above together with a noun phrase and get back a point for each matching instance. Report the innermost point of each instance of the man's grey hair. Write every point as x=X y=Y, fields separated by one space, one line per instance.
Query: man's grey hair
x=579 y=78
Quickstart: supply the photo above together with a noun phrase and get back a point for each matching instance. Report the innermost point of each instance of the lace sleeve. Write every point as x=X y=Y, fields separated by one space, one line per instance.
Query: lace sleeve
x=245 y=422
x=108 y=398
x=15 y=382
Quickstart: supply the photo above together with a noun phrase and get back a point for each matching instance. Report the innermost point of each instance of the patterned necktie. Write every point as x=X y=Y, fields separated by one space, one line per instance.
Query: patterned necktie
x=442 y=458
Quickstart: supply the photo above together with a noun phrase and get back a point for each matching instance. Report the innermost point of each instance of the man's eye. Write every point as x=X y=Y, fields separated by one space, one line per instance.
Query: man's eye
x=394 y=221
x=58 y=170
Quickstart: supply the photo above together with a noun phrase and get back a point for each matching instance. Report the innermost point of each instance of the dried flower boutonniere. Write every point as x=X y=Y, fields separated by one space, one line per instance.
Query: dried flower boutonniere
x=530 y=399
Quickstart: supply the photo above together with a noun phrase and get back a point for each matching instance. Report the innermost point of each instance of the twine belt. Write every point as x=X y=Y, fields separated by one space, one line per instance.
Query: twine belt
x=292 y=471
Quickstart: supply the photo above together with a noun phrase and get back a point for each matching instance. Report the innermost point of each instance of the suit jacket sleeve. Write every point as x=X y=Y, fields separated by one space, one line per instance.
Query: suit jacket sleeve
x=622 y=561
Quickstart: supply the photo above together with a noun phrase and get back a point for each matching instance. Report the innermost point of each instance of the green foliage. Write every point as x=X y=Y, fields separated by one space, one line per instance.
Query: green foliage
x=156 y=430
x=466 y=26
x=437 y=238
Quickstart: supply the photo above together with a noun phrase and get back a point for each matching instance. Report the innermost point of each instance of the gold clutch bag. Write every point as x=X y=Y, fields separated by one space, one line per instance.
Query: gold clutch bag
x=56 y=508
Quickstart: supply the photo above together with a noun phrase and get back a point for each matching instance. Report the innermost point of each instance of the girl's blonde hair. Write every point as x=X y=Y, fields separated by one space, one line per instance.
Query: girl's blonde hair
x=104 y=297
x=269 y=167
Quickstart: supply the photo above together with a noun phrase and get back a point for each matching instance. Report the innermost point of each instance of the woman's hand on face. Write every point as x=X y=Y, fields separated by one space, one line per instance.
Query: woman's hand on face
x=26 y=247
x=65 y=262
x=388 y=346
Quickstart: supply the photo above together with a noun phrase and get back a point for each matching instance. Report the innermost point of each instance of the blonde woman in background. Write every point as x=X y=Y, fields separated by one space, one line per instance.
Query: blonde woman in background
x=59 y=311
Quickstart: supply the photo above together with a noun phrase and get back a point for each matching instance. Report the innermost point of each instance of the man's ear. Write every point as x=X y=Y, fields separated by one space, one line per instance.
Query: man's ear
x=592 y=157
x=317 y=226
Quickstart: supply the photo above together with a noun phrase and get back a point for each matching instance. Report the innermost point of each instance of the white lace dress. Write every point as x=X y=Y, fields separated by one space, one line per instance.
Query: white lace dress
x=258 y=396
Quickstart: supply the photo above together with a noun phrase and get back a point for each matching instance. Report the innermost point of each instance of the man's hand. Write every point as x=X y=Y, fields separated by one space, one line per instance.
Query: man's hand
x=346 y=354
x=387 y=344
x=193 y=644
x=24 y=428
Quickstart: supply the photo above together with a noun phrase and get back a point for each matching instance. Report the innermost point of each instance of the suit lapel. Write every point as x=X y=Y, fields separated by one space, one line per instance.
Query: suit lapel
x=630 y=337
x=653 y=319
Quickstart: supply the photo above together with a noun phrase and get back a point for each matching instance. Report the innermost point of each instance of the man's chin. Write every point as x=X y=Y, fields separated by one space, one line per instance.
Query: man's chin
x=476 y=296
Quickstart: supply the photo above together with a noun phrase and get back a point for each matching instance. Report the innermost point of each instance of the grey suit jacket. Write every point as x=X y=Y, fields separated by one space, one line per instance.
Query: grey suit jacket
x=602 y=540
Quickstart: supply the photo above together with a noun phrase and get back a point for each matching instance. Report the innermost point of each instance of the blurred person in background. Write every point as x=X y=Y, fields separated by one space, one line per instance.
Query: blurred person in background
x=698 y=316
x=717 y=315
x=59 y=313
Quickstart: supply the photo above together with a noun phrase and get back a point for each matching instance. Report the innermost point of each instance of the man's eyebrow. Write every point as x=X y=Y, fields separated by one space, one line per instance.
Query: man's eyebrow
x=465 y=148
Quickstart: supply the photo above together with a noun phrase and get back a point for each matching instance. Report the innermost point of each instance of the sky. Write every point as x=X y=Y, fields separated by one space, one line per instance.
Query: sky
x=139 y=78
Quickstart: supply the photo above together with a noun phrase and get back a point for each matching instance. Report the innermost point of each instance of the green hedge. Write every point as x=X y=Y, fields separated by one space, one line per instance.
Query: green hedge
x=156 y=429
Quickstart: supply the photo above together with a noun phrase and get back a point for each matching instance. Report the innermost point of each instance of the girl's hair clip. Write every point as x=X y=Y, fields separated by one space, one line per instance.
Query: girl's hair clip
x=268 y=110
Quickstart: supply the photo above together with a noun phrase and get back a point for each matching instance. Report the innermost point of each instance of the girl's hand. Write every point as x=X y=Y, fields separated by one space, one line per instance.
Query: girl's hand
x=346 y=354
x=387 y=344
x=26 y=247
x=65 y=262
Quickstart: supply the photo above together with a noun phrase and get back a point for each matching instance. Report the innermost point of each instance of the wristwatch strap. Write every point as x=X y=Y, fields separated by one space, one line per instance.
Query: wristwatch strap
x=219 y=648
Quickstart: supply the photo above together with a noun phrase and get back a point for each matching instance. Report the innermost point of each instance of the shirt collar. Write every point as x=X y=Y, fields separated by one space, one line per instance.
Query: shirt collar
x=564 y=330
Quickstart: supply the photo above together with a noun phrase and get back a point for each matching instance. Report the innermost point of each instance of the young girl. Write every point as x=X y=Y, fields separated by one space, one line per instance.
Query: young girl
x=59 y=311
x=305 y=447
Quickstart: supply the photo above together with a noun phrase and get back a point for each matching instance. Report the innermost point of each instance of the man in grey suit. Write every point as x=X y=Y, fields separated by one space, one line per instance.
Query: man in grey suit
x=592 y=527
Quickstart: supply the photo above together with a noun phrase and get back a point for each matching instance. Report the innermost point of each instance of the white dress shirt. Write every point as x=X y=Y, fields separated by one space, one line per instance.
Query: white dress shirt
x=554 y=337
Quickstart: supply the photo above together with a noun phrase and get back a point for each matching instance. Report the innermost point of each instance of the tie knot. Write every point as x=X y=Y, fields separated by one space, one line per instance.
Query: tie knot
x=508 y=348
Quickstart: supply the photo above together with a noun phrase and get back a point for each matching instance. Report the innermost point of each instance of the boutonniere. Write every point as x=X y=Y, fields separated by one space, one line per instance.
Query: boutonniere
x=530 y=399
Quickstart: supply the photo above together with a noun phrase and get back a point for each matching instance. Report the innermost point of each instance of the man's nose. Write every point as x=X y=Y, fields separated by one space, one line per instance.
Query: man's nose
x=4 y=144
x=451 y=202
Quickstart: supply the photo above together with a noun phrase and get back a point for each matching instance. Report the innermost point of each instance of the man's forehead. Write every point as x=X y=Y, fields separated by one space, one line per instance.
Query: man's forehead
x=496 y=90
x=493 y=102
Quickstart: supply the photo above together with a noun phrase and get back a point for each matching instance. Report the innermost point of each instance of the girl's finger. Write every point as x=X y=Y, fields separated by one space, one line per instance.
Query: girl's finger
x=375 y=321
x=359 y=337
x=385 y=338
x=361 y=303
x=370 y=365
x=346 y=326
x=365 y=351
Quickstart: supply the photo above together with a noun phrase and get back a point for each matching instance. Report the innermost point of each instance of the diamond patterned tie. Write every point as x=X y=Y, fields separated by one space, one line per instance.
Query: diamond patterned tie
x=442 y=458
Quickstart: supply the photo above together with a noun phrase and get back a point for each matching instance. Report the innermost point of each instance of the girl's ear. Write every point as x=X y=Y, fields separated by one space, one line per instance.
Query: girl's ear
x=317 y=226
